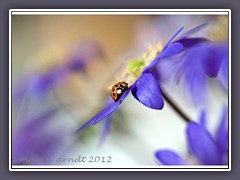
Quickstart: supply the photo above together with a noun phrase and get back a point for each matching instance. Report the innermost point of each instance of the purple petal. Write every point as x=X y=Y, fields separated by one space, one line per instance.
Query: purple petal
x=105 y=130
x=110 y=108
x=168 y=51
x=212 y=57
x=173 y=48
x=194 y=30
x=186 y=67
x=88 y=123
x=147 y=91
x=168 y=157
x=173 y=37
x=202 y=119
x=77 y=64
x=202 y=146
x=223 y=72
x=222 y=132
x=41 y=84
x=198 y=89
x=82 y=53
x=190 y=71
x=190 y=42
x=34 y=140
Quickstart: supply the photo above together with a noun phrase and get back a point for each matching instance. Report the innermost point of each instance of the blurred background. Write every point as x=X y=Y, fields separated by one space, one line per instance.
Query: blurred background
x=61 y=68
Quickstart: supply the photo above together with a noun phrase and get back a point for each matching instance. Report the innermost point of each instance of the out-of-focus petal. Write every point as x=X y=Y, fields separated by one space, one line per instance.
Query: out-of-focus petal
x=105 y=130
x=147 y=91
x=202 y=146
x=190 y=42
x=193 y=30
x=168 y=157
x=212 y=56
x=77 y=64
x=110 y=108
x=33 y=140
x=222 y=132
x=223 y=72
x=202 y=119
x=40 y=84
x=173 y=37
x=196 y=84
x=82 y=53
x=19 y=91
x=187 y=67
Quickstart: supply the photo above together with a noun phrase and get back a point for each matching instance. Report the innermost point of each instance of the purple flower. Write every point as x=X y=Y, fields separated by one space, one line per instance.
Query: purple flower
x=200 y=60
x=223 y=73
x=38 y=84
x=34 y=143
x=203 y=147
x=145 y=89
x=82 y=53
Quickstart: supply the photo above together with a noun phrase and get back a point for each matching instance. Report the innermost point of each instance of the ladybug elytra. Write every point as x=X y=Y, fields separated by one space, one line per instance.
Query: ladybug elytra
x=118 y=89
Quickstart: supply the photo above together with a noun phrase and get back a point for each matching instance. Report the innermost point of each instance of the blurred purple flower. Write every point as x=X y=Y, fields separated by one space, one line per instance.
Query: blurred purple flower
x=105 y=130
x=34 y=143
x=82 y=53
x=145 y=89
x=40 y=84
x=223 y=73
x=205 y=148
x=200 y=60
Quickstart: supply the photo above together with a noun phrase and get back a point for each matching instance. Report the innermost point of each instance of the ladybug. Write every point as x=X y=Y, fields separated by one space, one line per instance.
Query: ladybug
x=118 y=89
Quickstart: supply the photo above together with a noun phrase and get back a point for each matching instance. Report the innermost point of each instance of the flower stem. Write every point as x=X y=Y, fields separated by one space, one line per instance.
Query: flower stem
x=175 y=107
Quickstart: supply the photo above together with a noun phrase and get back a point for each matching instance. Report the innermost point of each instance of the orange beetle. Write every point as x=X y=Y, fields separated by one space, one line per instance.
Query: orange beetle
x=118 y=89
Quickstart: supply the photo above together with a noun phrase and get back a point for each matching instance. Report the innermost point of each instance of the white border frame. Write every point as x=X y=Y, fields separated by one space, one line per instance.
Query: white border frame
x=117 y=12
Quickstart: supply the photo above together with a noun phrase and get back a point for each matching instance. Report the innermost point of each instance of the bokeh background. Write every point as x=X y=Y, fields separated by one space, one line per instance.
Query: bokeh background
x=46 y=112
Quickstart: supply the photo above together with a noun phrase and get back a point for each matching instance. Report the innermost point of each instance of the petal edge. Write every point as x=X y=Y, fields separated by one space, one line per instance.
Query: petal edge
x=168 y=157
x=147 y=91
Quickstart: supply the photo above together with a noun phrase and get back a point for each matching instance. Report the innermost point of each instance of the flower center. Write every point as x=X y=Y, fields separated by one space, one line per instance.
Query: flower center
x=135 y=66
